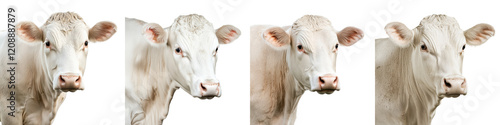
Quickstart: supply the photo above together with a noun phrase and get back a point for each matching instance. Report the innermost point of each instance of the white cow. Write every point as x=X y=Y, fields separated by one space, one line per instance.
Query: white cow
x=417 y=68
x=286 y=61
x=160 y=61
x=50 y=61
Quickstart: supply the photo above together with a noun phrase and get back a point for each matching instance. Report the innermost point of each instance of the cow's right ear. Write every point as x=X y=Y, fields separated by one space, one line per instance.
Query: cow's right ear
x=29 y=32
x=154 y=33
x=276 y=37
x=399 y=34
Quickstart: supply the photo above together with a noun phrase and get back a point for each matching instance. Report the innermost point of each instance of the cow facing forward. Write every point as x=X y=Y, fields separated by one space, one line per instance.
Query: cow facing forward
x=51 y=60
x=286 y=61
x=160 y=61
x=417 y=68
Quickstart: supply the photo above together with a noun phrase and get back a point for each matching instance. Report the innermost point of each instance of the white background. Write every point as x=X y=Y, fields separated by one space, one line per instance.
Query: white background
x=102 y=101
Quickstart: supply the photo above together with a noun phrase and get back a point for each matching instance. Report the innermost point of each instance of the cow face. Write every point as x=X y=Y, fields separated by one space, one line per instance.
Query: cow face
x=193 y=46
x=312 y=51
x=438 y=47
x=65 y=48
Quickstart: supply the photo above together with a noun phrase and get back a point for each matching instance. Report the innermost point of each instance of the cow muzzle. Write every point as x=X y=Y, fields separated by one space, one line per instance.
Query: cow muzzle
x=326 y=84
x=69 y=82
x=209 y=89
x=454 y=86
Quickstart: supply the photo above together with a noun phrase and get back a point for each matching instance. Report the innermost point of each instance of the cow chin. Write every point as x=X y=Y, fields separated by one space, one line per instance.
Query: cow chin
x=325 y=92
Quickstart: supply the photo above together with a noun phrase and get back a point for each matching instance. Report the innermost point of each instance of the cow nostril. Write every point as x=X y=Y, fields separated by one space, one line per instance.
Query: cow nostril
x=61 y=78
x=321 y=80
x=203 y=87
x=78 y=79
x=447 y=84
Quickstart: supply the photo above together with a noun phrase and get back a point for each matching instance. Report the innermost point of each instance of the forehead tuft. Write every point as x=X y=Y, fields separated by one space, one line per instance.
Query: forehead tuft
x=438 y=21
x=64 y=18
x=192 y=23
x=311 y=23
x=65 y=21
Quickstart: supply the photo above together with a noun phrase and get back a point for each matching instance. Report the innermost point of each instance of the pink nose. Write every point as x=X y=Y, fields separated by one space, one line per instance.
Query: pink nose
x=455 y=86
x=209 y=89
x=70 y=82
x=328 y=82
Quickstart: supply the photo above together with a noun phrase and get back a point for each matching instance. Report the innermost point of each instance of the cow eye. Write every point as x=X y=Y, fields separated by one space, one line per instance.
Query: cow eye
x=178 y=51
x=215 y=52
x=86 y=43
x=300 y=47
x=463 y=48
x=336 y=46
x=423 y=47
x=47 y=44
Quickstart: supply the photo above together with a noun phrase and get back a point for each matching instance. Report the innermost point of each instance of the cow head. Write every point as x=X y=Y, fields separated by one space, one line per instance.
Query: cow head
x=438 y=45
x=192 y=43
x=312 y=45
x=64 y=40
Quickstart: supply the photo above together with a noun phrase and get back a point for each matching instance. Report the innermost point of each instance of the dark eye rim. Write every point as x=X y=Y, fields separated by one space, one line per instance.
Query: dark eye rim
x=178 y=50
x=423 y=47
x=300 y=47
x=47 y=44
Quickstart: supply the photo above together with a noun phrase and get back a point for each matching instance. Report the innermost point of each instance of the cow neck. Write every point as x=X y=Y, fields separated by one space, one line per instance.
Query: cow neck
x=41 y=88
x=162 y=86
x=294 y=90
x=418 y=102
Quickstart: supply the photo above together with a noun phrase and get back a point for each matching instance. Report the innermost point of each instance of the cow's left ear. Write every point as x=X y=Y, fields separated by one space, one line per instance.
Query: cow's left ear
x=227 y=34
x=349 y=36
x=102 y=31
x=479 y=34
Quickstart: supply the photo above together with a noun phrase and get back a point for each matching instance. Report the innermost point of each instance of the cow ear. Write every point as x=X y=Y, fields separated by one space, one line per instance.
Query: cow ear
x=349 y=36
x=154 y=33
x=276 y=37
x=29 y=32
x=102 y=31
x=399 y=34
x=227 y=34
x=479 y=34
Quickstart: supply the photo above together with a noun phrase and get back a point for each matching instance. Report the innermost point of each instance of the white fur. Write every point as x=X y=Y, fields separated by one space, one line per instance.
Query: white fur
x=38 y=68
x=409 y=79
x=155 y=71
x=280 y=74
